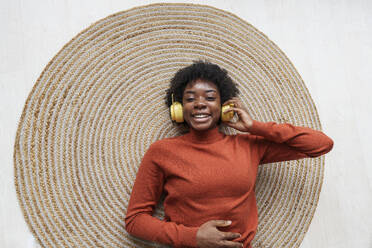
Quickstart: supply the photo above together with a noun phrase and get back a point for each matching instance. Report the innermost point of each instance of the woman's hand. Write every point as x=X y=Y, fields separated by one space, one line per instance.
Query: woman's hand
x=208 y=236
x=245 y=120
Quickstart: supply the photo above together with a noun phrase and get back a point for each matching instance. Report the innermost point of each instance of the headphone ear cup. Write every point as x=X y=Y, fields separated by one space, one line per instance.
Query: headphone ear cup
x=227 y=116
x=176 y=112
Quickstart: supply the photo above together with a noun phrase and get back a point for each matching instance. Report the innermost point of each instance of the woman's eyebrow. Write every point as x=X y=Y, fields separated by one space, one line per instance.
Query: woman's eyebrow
x=193 y=92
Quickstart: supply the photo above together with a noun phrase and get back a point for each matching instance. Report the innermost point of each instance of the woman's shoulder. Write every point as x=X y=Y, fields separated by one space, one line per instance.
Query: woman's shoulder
x=166 y=142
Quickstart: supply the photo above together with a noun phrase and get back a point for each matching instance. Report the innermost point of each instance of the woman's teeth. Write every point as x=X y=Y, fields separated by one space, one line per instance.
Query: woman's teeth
x=200 y=116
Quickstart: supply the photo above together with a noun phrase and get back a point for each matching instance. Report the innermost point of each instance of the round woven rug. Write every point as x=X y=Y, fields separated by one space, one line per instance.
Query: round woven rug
x=98 y=105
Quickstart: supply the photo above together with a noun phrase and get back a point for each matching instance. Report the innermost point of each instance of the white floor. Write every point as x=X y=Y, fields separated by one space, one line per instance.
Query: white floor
x=329 y=42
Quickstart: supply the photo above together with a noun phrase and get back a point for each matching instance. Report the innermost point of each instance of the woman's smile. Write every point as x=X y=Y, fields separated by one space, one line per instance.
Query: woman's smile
x=201 y=117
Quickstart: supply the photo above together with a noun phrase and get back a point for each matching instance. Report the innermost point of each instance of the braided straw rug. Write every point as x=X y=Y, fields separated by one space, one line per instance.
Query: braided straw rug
x=98 y=105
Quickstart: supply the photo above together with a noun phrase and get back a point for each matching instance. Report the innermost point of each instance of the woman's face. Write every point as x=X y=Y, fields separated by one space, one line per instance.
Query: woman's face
x=201 y=105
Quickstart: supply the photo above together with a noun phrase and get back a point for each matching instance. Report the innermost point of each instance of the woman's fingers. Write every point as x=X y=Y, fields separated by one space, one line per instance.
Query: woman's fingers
x=226 y=236
x=230 y=235
x=219 y=222
x=243 y=123
x=240 y=112
x=230 y=244
x=209 y=236
x=237 y=126
x=232 y=109
x=235 y=101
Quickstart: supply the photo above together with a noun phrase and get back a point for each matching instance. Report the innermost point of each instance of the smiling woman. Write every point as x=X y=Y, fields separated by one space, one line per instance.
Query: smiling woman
x=209 y=177
x=201 y=105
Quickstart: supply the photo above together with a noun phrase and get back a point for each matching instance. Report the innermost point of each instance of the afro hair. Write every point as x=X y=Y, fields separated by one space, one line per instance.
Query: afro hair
x=201 y=70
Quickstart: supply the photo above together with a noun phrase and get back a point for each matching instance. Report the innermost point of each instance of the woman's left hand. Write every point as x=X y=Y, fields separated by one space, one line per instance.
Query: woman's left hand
x=244 y=122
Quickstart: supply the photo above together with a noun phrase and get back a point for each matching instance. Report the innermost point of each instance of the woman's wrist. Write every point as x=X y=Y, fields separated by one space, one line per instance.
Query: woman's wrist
x=248 y=125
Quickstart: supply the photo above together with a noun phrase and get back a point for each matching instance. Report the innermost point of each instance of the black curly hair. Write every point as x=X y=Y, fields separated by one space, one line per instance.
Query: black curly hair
x=201 y=70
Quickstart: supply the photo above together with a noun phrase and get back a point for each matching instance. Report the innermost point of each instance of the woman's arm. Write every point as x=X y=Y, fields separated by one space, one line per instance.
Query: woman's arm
x=282 y=142
x=146 y=192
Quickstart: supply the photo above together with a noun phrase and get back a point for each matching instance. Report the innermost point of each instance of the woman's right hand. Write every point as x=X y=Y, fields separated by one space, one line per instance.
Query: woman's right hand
x=208 y=236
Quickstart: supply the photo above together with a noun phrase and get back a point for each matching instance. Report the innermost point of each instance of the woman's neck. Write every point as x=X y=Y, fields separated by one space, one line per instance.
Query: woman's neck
x=204 y=136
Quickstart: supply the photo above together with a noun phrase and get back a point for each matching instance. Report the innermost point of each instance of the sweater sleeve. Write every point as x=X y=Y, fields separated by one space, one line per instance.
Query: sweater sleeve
x=282 y=142
x=146 y=192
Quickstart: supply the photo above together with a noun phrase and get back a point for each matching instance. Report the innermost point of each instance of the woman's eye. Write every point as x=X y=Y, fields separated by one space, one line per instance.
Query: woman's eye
x=189 y=99
x=211 y=98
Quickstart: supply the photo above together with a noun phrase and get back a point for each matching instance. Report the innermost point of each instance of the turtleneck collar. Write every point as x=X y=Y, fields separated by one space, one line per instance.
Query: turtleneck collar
x=207 y=136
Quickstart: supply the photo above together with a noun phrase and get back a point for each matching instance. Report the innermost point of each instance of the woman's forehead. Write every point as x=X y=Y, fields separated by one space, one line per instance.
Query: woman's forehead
x=201 y=84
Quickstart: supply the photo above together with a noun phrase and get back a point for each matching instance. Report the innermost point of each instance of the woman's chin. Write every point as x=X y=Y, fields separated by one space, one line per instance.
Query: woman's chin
x=202 y=126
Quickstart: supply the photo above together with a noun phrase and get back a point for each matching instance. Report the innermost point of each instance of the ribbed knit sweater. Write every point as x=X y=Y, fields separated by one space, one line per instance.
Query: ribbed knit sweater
x=211 y=177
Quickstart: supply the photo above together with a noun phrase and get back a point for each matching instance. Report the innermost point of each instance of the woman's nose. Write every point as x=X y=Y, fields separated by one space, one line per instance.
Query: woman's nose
x=199 y=104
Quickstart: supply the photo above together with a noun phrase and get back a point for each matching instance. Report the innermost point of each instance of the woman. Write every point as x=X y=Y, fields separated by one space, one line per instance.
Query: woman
x=209 y=177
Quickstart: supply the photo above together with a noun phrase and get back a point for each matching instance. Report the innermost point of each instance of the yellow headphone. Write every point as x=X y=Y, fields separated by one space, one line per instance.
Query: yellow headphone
x=177 y=112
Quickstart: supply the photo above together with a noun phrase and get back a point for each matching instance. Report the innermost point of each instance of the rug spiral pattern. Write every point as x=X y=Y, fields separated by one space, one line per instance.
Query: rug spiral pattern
x=99 y=104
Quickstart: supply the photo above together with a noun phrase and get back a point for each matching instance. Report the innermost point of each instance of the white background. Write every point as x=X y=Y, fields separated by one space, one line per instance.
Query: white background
x=329 y=42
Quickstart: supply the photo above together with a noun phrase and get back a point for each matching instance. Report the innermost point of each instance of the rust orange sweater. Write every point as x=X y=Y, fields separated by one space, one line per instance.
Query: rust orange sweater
x=211 y=177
